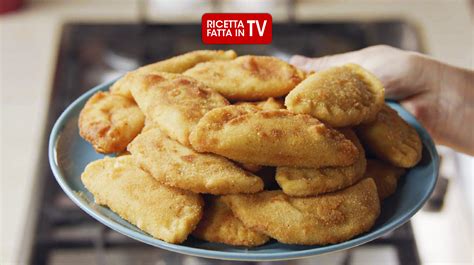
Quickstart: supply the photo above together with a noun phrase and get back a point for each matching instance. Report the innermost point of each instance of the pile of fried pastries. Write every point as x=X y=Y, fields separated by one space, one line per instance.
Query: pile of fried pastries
x=243 y=149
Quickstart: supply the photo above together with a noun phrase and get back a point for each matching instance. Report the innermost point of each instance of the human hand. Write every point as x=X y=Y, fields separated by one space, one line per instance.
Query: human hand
x=440 y=96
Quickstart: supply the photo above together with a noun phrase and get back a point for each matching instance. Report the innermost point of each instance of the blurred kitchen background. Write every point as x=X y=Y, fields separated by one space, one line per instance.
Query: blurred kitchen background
x=53 y=51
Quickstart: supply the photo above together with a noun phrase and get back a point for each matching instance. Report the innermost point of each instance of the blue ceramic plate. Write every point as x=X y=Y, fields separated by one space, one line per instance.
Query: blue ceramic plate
x=69 y=154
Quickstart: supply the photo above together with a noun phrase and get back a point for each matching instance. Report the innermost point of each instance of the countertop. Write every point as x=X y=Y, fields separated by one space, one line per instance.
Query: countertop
x=29 y=42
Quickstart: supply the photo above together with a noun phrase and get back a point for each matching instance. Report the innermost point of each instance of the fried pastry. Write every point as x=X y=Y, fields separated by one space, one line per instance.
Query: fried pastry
x=110 y=122
x=271 y=138
x=391 y=139
x=385 y=176
x=177 y=64
x=174 y=103
x=339 y=96
x=313 y=181
x=248 y=77
x=221 y=226
x=176 y=165
x=166 y=213
x=320 y=220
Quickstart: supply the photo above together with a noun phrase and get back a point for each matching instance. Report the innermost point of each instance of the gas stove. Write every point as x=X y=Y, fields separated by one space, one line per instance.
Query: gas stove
x=94 y=53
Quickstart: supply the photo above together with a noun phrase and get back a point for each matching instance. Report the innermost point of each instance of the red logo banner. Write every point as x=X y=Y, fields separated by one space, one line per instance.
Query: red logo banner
x=236 y=28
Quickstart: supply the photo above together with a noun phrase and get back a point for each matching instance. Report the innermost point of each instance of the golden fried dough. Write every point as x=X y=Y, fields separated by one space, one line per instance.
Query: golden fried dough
x=269 y=104
x=177 y=64
x=385 y=175
x=272 y=138
x=248 y=77
x=339 y=96
x=221 y=226
x=176 y=165
x=320 y=220
x=174 y=103
x=109 y=122
x=391 y=139
x=165 y=213
x=313 y=181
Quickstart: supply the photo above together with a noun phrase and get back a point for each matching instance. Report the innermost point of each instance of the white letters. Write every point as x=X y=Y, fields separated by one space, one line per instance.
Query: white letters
x=250 y=22
x=226 y=28
x=260 y=32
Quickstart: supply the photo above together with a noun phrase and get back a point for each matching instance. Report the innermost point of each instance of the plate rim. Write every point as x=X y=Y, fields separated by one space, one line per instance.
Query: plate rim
x=427 y=141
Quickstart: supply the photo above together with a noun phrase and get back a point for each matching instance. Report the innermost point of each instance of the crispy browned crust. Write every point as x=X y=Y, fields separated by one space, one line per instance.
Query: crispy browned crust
x=339 y=96
x=391 y=139
x=248 y=77
x=110 y=122
x=165 y=213
x=321 y=220
x=385 y=175
x=313 y=181
x=221 y=226
x=272 y=138
x=174 y=103
x=176 y=165
x=177 y=64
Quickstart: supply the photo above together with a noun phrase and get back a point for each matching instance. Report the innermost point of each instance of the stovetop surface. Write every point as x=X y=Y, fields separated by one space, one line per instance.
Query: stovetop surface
x=94 y=53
